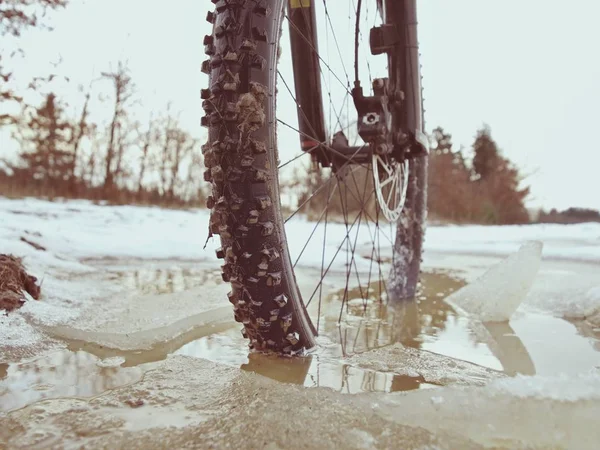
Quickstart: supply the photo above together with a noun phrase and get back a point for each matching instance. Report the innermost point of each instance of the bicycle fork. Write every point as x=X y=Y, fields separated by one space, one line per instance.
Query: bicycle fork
x=374 y=112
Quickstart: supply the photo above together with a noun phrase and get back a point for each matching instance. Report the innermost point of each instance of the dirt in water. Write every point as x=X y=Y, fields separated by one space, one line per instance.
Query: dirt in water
x=14 y=281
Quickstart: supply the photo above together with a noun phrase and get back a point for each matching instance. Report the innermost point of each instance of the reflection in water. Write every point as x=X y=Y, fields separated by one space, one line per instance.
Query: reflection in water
x=429 y=323
x=376 y=325
x=318 y=370
x=287 y=370
x=160 y=280
x=157 y=353
x=422 y=324
x=407 y=383
x=323 y=367
x=61 y=374
x=509 y=349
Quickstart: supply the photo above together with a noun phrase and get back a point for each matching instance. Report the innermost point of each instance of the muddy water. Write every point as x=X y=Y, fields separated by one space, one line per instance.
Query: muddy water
x=532 y=343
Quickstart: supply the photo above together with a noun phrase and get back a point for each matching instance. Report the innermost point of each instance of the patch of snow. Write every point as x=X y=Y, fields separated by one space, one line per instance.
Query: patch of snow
x=576 y=304
x=79 y=229
x=16 y=332
x=576 y=242
x=572 y=295
x=521 y=412
x=76 y=295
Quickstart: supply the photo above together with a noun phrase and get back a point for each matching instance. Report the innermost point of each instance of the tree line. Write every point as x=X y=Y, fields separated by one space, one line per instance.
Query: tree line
x=66 y=154
x=569 y=215
x=123 y=161
x=480 y=186
x=486 y=188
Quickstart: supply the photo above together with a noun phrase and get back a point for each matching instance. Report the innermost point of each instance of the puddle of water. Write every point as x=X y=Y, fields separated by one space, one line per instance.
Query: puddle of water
x=61 y=374
x=322 y=368
x=531 y=343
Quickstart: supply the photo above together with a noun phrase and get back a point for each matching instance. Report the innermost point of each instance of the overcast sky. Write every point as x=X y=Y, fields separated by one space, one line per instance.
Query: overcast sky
x=528 y=68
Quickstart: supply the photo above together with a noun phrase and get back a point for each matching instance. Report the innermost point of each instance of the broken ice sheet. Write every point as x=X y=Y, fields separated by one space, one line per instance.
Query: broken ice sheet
x=193 y=402
x=148 y=320
x=432 y=367
x=521 y=412
x=496 y=295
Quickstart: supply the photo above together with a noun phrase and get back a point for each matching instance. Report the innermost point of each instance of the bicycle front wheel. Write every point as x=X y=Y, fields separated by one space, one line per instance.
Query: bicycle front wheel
x=274 y=207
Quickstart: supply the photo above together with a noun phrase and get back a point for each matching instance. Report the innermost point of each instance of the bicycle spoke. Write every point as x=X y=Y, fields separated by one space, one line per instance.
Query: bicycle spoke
x=317 y=53
x=351 y=196
x=316 y=225
x=305 y=202
x=298 y=156
x=322 y=265
x=344 y=241
x=323 y=146
x=336 y=41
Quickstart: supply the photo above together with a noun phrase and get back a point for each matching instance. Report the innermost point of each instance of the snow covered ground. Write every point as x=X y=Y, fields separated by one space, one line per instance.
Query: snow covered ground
x=81 y=229
x=76 y=293
x=76 y=235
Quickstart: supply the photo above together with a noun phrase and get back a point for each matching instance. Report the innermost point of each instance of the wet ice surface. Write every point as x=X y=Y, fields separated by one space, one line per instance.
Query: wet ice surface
x=161 y=303
x=187 y=400
x=420 y=345
x=194 y=400
x=77 y=234
x=108 y=322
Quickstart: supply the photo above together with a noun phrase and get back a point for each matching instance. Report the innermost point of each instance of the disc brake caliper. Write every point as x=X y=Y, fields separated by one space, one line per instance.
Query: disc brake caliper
x=374 y=116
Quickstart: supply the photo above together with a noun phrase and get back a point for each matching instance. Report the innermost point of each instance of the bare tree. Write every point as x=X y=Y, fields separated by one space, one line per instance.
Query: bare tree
x=44 y=136
x=123 y=87
x=145 y=142
x=124 y=141
x=193 y=184
x=182 y=147
x=81 y=129
x=16 y=16
x=164 y=153
x=89 y=169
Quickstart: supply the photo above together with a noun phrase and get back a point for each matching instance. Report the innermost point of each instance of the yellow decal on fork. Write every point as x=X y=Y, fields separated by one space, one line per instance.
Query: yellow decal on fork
x=299 y=4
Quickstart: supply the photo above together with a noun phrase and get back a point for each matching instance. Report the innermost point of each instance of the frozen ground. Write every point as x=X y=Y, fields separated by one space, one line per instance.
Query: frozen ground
x=89 y=305
x=77 y=235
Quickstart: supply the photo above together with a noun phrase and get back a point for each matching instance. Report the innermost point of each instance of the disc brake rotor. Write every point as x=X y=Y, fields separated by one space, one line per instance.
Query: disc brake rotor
x=391 y=181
